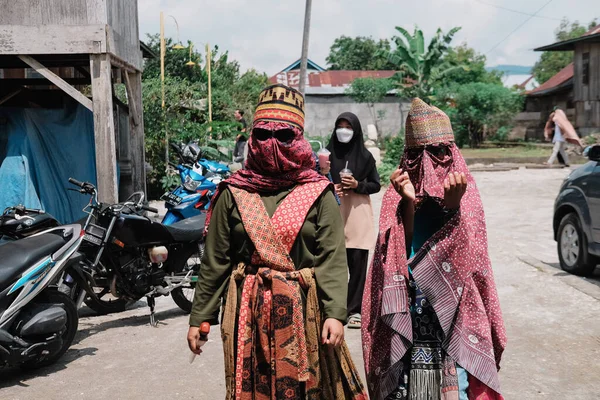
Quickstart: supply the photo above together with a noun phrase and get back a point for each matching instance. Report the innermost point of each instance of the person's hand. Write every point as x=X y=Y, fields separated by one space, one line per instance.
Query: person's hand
x=348 y=182
x=339 y=190
x=401 y=182
x=333 y=332
x=194 y=342
x=325 y=167
x=455 y=187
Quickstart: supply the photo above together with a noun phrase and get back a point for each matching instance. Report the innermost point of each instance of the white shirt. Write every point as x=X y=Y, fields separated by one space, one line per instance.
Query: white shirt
x=558 y=137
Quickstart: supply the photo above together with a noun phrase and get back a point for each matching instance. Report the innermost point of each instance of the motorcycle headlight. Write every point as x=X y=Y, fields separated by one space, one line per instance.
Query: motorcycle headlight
x=191 y=184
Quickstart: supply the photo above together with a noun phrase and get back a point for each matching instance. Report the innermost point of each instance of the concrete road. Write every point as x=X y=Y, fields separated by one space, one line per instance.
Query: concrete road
x=553 y=321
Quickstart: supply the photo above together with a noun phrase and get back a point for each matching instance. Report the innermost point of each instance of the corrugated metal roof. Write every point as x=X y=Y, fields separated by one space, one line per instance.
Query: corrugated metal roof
x=327 y=79
x=593 y=35
x=558 y=81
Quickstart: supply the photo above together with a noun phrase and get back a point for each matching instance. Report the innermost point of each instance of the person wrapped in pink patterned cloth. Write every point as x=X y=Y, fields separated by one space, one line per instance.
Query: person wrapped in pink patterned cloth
x=432 y=325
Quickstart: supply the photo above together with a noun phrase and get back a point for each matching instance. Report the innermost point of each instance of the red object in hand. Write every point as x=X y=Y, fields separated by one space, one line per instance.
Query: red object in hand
x=204 y=331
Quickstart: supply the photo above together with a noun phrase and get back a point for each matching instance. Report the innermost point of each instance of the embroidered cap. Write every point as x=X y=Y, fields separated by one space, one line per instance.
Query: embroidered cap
x=427 y=125
x=280 y=103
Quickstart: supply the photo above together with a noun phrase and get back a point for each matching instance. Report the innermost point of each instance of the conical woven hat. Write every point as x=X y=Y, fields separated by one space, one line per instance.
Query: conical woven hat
x=427 y=125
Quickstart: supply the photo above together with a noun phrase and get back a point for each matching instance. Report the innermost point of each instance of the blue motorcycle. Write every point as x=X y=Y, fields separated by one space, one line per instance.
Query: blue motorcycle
x=199 y=180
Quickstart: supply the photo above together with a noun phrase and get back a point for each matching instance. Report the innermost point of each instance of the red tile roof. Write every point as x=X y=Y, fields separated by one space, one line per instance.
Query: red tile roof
x=557 y=80
x=327 y=78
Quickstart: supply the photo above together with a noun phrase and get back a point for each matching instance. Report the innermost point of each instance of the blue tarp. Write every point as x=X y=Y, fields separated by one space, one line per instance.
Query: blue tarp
x=40 y=149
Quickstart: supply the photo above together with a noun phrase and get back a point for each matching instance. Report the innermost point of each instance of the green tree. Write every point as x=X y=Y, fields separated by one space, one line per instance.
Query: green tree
x=370 y=91
x=473 y=67
x=551 y=62
x=359 y=53
x=185 y=116
x=175 y=61
x=420 y=69
x=479 y=109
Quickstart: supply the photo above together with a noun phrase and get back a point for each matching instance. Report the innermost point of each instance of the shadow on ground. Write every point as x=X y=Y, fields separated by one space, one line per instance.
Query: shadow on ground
x=87 y=328
x=594 y=278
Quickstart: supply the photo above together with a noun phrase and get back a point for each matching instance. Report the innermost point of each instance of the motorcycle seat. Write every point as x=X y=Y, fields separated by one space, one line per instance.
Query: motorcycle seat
x=18 y=256
x=189 y=229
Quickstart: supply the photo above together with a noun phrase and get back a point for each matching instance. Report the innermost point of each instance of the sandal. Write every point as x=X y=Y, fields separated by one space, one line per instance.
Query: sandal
x=354 y=321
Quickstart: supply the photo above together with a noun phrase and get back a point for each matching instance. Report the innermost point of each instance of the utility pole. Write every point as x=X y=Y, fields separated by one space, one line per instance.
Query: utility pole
x=304 y=57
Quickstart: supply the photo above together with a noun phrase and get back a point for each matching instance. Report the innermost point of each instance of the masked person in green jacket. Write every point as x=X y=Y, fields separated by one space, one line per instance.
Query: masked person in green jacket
x=275 y=251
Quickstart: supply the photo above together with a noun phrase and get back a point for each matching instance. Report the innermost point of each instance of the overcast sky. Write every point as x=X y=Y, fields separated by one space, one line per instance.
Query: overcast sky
x=267 y=34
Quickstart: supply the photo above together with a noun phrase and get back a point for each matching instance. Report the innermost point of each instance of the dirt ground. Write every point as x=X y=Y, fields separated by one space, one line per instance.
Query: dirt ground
x=552 y=319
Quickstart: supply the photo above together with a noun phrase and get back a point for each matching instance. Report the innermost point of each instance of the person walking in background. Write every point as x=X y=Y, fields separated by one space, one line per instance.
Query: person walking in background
x=275 y=249
x=241 y=140
x=560 y=130
x=239 y=117
x=432 y=324
x=239 y=150
x=348 y=151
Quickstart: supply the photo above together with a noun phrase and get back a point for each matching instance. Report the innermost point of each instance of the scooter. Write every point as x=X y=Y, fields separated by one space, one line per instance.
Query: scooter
x=37 y=322
x=199 y=180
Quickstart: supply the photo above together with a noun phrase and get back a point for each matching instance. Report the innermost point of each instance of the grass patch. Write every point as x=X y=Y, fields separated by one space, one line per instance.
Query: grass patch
x=500 y=152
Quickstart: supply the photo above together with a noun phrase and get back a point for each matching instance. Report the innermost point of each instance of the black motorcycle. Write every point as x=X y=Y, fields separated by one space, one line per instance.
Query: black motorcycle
x=129 y=256
x=19 y=222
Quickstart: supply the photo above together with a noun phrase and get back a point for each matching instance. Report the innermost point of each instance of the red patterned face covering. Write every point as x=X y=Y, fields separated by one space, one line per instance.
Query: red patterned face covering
x=278 y=158
x=277 y=149
x=428 y=167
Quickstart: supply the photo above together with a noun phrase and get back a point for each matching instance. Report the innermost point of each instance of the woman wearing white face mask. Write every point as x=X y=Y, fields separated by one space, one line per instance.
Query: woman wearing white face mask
x=347 y=148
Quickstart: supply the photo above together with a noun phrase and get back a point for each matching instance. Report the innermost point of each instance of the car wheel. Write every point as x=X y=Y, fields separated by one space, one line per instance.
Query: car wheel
x=572 y=247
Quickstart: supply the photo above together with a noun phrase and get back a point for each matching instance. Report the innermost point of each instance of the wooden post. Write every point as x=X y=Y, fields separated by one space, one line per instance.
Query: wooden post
x=162 y=56
x=163 y=51
x=304 y=57
x=132 y=104
x=208 y=68
x=104 y=128
x=136 y=131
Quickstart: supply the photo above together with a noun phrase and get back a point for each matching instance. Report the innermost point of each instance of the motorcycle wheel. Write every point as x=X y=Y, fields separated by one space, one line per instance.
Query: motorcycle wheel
x=183 y=296
x=56 y=297
x=107 y=304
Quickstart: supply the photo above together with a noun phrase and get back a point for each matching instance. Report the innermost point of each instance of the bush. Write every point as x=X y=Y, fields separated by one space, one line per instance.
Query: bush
x=501 y=135
x=394 y=149
x=385 y=171
x=476 y=108
x=592 y=139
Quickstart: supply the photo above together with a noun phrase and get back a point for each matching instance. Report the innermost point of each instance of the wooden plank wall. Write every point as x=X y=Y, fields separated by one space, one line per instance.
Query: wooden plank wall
x=53 y=12
x=71 y=27
x=587 y=97
x=123 y=38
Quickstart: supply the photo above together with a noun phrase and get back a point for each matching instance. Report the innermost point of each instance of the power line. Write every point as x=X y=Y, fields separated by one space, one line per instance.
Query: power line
x=519 y=27
x=516 y=11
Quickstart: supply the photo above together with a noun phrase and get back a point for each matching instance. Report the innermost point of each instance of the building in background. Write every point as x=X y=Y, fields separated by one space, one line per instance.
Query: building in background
x=326 y=98
x=59 y=116
x=577 y=87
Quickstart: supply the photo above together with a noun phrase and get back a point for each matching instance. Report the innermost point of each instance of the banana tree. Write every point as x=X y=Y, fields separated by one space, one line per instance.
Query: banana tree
x=419 y=69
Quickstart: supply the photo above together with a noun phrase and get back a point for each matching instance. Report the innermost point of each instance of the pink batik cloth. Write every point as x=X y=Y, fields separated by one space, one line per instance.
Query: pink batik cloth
x=454 y=272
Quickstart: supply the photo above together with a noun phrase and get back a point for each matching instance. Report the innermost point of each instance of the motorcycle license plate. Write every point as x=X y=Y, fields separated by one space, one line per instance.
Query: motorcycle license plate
x=172 y=199
x=92 y=239
x=94 y=234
